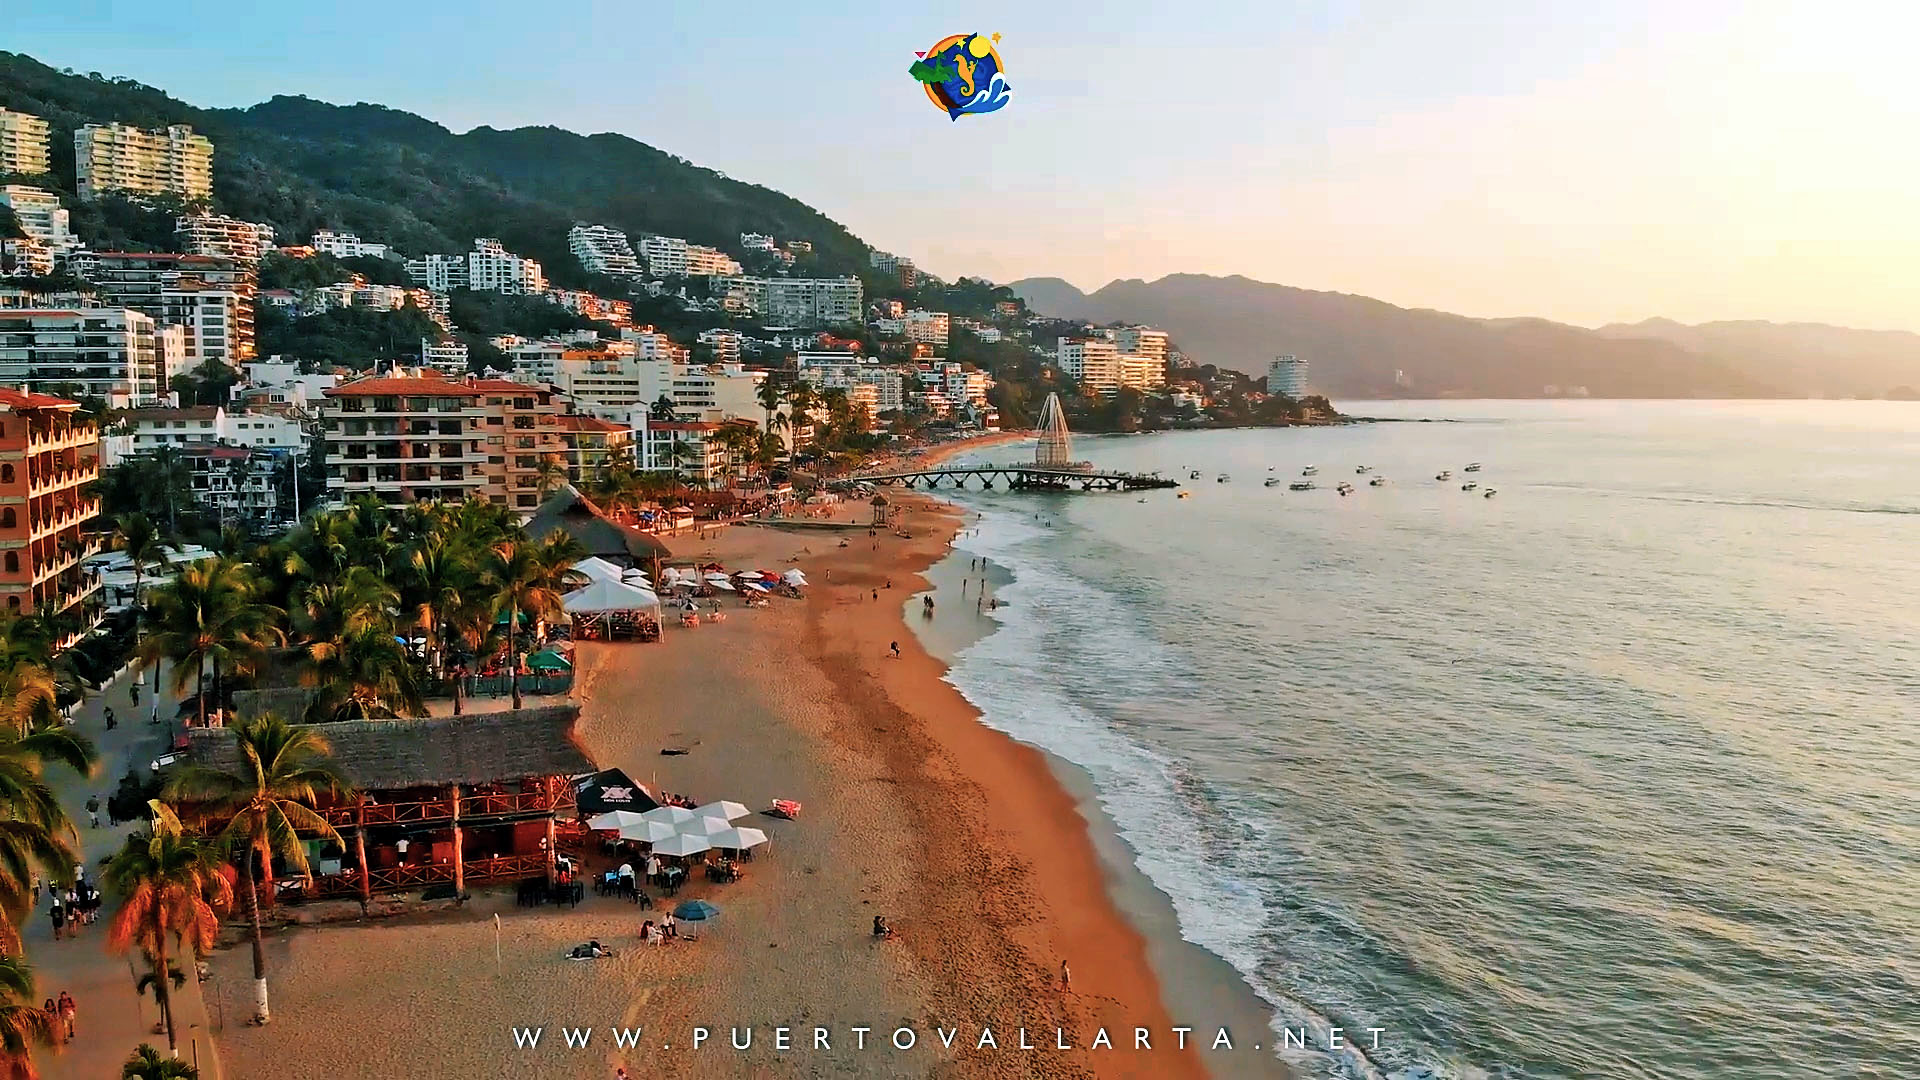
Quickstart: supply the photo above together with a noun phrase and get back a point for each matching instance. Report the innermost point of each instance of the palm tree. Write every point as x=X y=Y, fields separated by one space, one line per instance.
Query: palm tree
x=770 y=397
x=528 y=577
x=147 y=1064
x=170 y=476
x=29 y=693
x=330 y=613
x=34 y=830
x=680 y=454
x=550 y=474
x=439 y=573
x=22 y=1023
x=137 y=538
x=172 y=893
x=364 y=675
x=209 y=616
x=262 y=809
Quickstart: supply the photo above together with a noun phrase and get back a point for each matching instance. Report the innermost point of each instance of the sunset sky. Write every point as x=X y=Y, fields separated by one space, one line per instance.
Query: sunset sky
x=1588 y=163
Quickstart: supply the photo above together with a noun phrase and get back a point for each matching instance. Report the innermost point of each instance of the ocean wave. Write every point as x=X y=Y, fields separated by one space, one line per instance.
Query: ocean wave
x=1182 y=838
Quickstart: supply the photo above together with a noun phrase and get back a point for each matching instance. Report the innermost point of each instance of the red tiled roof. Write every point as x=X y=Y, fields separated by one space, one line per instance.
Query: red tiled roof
x=503 y=386
x=12 y=399
x=24 y=313
x=576 y=422
x=427 y=385
x=191 y=412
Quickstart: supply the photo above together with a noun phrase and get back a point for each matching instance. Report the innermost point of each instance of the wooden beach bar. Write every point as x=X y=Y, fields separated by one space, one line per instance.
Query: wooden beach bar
x=440 y=801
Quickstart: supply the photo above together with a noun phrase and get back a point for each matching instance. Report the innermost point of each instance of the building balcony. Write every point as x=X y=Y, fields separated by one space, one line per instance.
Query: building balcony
x=85 y=510
x=61 y=562
x=44 y=481
x=61 y=440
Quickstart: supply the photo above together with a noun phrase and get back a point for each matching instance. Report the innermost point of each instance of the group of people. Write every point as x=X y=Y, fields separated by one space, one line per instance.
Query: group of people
x=661 y=933
x=63 y=1011
x=76 y=906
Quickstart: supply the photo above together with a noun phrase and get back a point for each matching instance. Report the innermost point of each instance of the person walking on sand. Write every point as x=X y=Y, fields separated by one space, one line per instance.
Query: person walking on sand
x=67 y=1012
x=1066 y=976
x=93 y=811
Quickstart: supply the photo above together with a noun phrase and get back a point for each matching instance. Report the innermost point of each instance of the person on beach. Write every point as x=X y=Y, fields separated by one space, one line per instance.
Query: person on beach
x=108 y=713
x=59 y=917
x=668 y=928
x=1066 y=976
x=52 y=1009
x=876 y=594
x=67 y=1012
x=896 y=650
x=93 y=811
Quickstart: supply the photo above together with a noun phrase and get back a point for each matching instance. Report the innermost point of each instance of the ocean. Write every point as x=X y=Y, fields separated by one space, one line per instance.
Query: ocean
x=1615 y=774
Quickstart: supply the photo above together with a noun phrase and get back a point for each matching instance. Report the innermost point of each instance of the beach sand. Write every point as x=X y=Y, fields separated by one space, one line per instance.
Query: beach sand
x=913 y=810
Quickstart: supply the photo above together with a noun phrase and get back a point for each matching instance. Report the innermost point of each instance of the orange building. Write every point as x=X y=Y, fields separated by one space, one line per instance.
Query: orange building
x=522 y=425
x=48 y=457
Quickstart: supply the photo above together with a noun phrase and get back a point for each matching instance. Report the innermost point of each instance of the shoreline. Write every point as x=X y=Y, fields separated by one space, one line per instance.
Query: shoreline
x=1207 y=988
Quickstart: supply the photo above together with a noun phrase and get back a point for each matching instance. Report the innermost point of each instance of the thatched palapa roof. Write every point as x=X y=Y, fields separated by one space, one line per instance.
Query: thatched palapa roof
x=478 y=748
x=570 y=512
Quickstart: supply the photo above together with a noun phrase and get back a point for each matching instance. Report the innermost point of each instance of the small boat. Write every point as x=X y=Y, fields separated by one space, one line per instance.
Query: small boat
x=1344 y=489
x=1194 y=475
x=1269 y=468
x=1473 y=466
x=1272 y=481
x=1443 y=474
x=1362 y=470
x=1184 y=495
x=1378 y=481
x=1222 y=478
x=1468 y=486
x=1300 y=485
x=1139 y=500
x=1311 y=470
x=1491 y=492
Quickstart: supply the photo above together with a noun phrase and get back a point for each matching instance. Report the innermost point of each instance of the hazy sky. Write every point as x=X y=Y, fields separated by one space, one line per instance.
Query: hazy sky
x=1585 y=162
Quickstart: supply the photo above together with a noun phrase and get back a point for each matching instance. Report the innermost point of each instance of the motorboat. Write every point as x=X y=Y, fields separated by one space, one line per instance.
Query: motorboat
x=1378 y=481
x=1443 y=474
x=1473 y=466
x=1300 y=485
x=1491 y=492
x=1222 y=478
x=1184 y=495
x=1362 y=470
x=1311 y=470
x=1273 y=481
x=1344 y=489
x=1468 y=486
x=1194 y=475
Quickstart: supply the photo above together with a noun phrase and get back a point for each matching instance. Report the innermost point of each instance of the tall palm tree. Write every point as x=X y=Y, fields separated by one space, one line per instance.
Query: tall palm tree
x=210 y=616
x=136 y=537
x=263 y=808
x=549 y=474
x=529 y=578
x=29 y=692
x=364 y=675
x=329 y=613
x=770 y=398
x=35 y=834
x=23 y=1025
x=172 y=893
x=439 y=574
x=147 y=1064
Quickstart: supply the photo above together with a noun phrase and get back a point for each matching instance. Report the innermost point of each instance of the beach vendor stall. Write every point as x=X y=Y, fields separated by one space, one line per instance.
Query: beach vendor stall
x=607 y=610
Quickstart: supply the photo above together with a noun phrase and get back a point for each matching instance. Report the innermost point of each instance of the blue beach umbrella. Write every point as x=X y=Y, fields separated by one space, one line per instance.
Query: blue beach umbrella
x=696 y=911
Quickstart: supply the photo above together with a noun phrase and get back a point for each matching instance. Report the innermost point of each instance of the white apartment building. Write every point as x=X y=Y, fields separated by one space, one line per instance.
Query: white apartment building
x=170 y=353
x=603 y=250
x=846 y=371
x=214 y=234
x=93 y=352
x=492 y=268
x=345 y=245
x=439 y=273
x=23 y=143
x=447 y=357
x=897 y=265
x=181 y=289
x=756 y=242
x=702 y=460
x=1142 y=372
x=591 y=306
x=40 y=215
x=165 y=161
x=1094 y=361
x=704 y=261
x=726 y=344
x=284 y=384
x=797 y=301
x=651 y=344
x=142 y=431
x=666 y=256
x=925 y=327
x=1142 y=341
x=25 y=257
x=211 y=317
x=1287 y=377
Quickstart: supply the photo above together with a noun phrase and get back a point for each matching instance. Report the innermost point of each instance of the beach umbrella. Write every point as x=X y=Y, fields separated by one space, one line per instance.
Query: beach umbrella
x=611 y=789
x=738 y=839
x=669 y=815
x=597 y=568
x=727 y=811
x=754 y=585
x=613 y=820
x=702 y=826
x=647 y=832
x=681 y=844
x=721 y=583
x=794 y=577
x=549 y=658
x=696 y=911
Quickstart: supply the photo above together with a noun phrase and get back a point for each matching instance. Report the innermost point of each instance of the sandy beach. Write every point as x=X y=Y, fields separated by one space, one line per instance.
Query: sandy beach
x=913 y=810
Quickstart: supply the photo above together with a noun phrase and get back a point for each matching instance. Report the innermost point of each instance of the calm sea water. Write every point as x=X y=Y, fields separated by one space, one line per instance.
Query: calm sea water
x=1616 y=774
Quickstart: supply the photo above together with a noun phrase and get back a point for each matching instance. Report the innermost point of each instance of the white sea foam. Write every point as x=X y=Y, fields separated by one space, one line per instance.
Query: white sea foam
x=1007 y=676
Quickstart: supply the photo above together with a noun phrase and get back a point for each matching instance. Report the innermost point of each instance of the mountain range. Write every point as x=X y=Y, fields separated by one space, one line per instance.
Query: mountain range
x=401 y=179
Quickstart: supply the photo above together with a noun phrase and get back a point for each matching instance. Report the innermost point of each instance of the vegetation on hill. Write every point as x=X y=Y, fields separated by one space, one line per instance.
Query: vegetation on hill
x=351 y=337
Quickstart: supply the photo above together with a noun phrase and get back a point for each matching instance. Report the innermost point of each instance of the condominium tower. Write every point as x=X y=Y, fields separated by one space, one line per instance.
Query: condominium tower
x=164 y=161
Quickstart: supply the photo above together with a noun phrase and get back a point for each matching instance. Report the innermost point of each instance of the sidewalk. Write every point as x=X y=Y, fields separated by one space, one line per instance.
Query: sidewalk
x=112 y=1019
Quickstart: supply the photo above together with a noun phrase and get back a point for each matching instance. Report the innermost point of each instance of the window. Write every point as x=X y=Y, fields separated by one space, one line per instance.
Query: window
x=13 y=562
x=6 y=474
x=8 y=519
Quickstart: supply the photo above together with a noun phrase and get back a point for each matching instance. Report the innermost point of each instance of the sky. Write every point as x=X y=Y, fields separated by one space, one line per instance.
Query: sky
x=1584 y=162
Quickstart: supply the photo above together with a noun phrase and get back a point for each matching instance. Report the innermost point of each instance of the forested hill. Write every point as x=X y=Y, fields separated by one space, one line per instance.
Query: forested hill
x=400 y=179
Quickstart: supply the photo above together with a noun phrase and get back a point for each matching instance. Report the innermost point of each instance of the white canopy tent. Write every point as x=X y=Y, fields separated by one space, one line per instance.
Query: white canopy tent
x=726 y=811
x=668 y=815
x=738 y=839
x=794 y=577
x=604 y=597
x=703 y=826
x=647 y=832
x=683 y=844
x=598 y=568
x=613 y=820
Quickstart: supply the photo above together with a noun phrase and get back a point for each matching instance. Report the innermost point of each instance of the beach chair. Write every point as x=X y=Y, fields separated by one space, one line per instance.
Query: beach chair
x=784 y=808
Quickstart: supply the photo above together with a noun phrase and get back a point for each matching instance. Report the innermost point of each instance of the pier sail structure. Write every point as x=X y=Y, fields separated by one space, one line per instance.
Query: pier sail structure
x=1055 y=448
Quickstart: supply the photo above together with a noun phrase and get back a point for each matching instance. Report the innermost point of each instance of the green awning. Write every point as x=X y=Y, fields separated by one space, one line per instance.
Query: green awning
x=548 y=658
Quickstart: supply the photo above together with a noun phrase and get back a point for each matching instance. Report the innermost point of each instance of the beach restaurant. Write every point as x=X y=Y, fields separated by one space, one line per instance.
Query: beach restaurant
x=446 y=801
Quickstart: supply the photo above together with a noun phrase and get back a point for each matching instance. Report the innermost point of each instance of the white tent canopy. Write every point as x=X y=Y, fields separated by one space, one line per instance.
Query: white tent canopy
x=603 y=596
x=794 y=577
x=727 y=811
x=647 y=832
x=682 y=844
x=598 y=568
x=703 y=826
x=614 y=820
x=668 y=815
x=738 y=839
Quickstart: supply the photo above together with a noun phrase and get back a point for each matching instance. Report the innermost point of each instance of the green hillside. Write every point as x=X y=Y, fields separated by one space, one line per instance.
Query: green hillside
x=399 y=179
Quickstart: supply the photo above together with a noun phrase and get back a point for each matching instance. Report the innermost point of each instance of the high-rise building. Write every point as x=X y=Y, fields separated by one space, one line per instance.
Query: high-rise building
x=725 y=343
x=489 y=267
x=404 y=437
x=215 y=234
x=592 y=444
x=446 y=357
x=704 y=261
x=108 y=353
x=926 y=327
x=212 y=296
x=666 y=256
x=1094 y=361
x=41 y=216
x=1287 y=377
x=897 y=265
x=603 y=250
x=796 y=301
x=48 y=458
x=165 y=161
x=1142 y=341
x=23 y=144
x=522 y=427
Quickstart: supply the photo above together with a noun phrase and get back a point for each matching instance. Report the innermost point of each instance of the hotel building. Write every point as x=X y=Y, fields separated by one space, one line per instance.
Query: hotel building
x=1287 y=377
x=348 y=246
x=703 y=460
x=925 y=327
x=488 y=267
x=795 y=301
x=165 y=161
x=1142 y=341
x=108 y=353
x=402 y=438
x=48 y=457
x=23 y=143
x=603 y=250
x=210 y=295
x=214 y=234
x=591 y=444
x=41 y=216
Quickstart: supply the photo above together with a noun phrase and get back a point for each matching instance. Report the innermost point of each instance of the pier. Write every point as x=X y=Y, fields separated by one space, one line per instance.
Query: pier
x=1052 y=468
